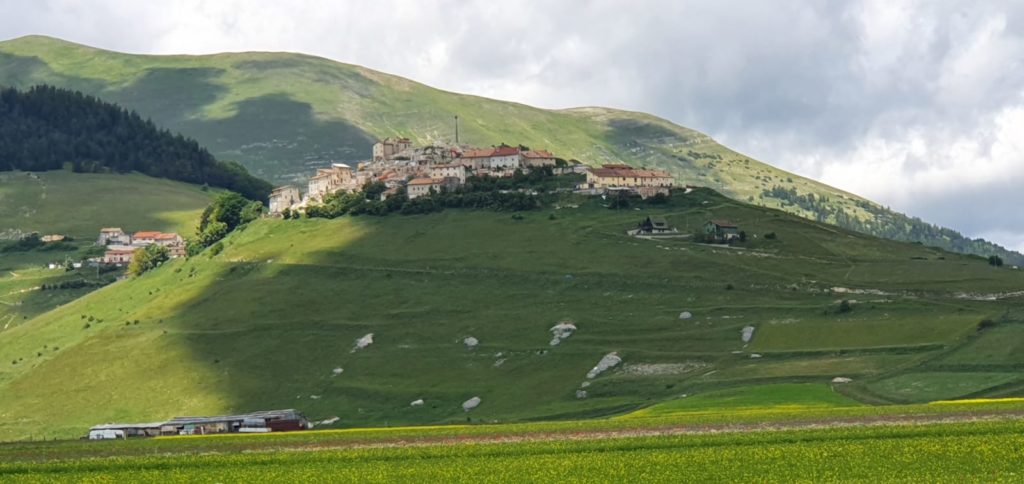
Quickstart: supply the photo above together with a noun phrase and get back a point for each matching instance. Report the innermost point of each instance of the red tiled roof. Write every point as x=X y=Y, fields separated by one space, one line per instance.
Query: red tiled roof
x=724 y=223
x=484 y=153
x=148 y=234
x=506 y=151
x=165 y=236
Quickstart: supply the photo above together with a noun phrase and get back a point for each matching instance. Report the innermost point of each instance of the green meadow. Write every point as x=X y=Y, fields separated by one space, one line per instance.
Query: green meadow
x=78 y=205
x=768 y=433
x=267 y=322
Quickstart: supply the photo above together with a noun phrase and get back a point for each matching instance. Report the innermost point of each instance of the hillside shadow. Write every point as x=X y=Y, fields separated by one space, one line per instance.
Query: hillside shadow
x=279 y=138
x=23 y=72
x=171 y=96
x=628 y=132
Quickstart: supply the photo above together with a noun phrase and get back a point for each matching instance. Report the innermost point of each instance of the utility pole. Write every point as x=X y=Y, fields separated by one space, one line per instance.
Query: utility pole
x=456 y=129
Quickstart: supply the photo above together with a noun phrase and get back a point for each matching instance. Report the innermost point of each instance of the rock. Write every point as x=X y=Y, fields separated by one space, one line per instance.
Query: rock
x=608 y=361
x=581 y=394
x=685 y=315
x=315 y=397
x=337 y=371
x=471 y=404
x=748 y=334
x=585 y=384
x=326 y=422
x=363 y=342
x=416 y=403
x=755 y=355
x=842 y=379
x=470 y=342
x=561 y=331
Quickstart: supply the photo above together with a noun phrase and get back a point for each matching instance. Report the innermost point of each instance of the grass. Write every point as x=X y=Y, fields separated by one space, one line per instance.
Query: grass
x=939 y=385
x=421 y=284
x=984 y=452
x=78 y=205
x=678 y=440
x=284 y=114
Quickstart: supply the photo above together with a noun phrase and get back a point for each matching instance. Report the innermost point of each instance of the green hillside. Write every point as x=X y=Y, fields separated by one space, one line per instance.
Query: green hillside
x=78 y=205
x=266 y=323
x=281 y=114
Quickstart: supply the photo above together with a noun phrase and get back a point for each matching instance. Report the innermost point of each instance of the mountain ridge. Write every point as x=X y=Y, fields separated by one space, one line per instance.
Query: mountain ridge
x=282 y=114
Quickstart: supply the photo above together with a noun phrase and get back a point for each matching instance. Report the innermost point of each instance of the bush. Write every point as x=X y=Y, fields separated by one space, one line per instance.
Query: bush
x=216 y=249
x=995 y=261
x=148 y=258
x=844 y=307
x=985 y=324
x=770 y=236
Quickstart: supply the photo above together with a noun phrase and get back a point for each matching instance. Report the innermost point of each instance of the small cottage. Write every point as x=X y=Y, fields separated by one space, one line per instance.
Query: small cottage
x=721 y=230
x=654 y=226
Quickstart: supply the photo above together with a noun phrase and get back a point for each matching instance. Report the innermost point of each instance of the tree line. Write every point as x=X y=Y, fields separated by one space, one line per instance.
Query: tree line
x=890 y=225
x=48 y=128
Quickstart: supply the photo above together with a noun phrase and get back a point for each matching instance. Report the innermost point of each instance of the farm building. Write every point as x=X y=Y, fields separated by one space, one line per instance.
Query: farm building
x=113 y=235
x=654 y=226
x=118 y=255
x=721 y=230
x=123 y=431
x=256 y=422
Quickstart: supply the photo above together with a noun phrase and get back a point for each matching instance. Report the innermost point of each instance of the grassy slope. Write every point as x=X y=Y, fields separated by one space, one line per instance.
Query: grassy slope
x=264 y=323
x=281 y=114
x=78 y=205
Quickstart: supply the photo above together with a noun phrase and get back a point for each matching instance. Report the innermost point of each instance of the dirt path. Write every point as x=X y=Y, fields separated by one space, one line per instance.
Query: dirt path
x=669 y=430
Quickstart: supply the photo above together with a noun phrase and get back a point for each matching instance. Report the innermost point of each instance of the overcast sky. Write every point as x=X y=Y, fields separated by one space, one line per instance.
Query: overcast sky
x=918 y=105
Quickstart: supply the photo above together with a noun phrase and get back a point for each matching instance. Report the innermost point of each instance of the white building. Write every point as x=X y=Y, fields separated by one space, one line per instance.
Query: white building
x=450 y=170
x=419 y=187
x=113 y=235
x=534 y=158
x=330 y=180
x=282 y=198
x=387 y=148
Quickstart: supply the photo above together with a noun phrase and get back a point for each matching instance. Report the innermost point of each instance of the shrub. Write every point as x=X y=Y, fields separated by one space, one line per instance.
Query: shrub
x=844 y=307
x=985 y=324
x=770 y=236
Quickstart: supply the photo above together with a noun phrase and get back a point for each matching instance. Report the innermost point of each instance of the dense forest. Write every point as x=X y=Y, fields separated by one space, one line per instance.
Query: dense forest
x=48 y=128
x=891 y=225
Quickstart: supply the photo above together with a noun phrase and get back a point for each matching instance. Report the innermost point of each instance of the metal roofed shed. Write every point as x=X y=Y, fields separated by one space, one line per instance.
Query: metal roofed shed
x=255 y=422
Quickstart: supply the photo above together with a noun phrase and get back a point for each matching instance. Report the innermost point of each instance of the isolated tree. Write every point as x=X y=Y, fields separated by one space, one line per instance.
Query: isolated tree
x=147 y=258
x=995 y=261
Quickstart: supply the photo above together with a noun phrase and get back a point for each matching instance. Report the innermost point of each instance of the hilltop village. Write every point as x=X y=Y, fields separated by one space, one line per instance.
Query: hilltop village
x=421 y=170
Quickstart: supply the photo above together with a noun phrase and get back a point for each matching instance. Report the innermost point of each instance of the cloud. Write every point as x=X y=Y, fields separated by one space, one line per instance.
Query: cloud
x=916 y=104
